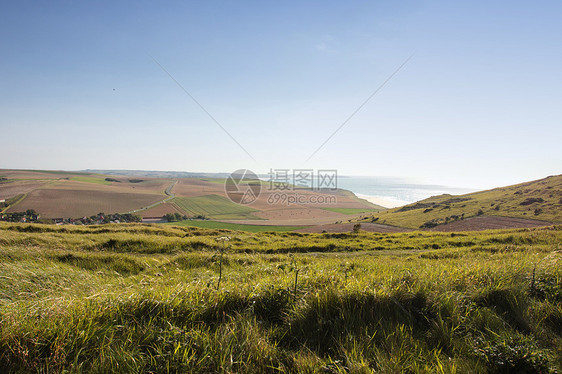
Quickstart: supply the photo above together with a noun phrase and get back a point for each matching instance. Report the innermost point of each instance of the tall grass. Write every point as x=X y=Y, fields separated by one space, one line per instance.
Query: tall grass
x=148 y=301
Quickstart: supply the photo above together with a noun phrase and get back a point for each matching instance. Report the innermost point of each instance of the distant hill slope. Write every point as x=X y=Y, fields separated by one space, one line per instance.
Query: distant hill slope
x=536 y=200
x=62 y=194
x=156 y=174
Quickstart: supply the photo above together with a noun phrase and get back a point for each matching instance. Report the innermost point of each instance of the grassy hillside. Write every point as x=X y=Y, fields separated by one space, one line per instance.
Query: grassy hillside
x=537 y=200
x=141 y=298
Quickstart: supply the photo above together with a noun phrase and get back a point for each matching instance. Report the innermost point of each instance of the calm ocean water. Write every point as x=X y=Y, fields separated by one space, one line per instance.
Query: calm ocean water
x=392 y=192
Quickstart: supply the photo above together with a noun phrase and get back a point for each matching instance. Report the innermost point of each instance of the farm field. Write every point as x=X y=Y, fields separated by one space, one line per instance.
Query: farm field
x=79 y=203
x=352 y=210
x=151 y=298
x=213 y=206
x=67 y=194
x=160 y=210
x=56 y=194
x=96 y=180
x=9 y=190
x=269 y=206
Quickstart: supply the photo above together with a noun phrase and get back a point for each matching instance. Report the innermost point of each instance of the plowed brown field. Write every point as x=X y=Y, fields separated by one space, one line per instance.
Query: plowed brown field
x=54 y=203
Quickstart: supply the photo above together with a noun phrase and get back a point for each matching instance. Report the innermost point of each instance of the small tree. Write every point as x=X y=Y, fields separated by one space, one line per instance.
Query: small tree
x=356 y=228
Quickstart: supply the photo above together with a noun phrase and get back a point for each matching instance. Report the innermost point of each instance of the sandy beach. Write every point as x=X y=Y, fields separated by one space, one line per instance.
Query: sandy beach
x=382 y=201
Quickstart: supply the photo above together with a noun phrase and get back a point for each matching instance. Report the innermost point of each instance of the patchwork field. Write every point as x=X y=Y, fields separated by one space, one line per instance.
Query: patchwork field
x=72 y=195
x=68 y=194
x=9 y=190
x=156 y=298
x=65 y=194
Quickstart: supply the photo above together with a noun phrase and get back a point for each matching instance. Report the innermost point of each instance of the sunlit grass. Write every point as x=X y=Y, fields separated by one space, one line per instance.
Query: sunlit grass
x=140 y=298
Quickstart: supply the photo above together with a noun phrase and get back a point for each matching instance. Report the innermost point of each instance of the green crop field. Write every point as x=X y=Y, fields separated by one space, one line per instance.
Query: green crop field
x=95 y=180
x=213 y=206
x=155 y=298
x=214 y=180
x=536 y=200
x=53 y=172
x=233 y=226
x=351 y=210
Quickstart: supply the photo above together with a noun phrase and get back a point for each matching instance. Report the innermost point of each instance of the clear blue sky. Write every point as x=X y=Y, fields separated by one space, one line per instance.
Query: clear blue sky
x=478 y=105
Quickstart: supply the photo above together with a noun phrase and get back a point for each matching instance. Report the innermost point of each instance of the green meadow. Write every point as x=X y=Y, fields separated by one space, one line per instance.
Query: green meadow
x=161 y=299
x=96 y=180
x=214 y=206
x=351 y=210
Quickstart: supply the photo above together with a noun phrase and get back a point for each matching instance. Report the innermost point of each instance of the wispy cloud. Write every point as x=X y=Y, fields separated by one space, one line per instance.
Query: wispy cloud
x=328 y=44
x=325 y=47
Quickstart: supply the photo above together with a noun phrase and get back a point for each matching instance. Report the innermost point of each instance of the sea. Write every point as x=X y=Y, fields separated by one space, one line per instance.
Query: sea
x=392 y=192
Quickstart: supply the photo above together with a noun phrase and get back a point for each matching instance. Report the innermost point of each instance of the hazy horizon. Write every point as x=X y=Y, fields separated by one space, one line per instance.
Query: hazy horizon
x=471 y=97
x=395 y=179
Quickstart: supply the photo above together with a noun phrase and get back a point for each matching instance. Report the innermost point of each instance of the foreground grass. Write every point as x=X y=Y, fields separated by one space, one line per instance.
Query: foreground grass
x=140 y=298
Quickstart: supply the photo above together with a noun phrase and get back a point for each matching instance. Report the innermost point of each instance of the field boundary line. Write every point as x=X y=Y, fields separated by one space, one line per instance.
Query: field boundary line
x=19 y=200
x=169 y=196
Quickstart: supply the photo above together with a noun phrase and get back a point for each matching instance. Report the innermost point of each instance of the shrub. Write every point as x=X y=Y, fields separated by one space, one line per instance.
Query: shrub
x=532 y=200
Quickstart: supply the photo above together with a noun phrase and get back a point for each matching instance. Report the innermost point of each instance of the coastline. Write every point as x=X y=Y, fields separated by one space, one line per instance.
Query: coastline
x=384 y=201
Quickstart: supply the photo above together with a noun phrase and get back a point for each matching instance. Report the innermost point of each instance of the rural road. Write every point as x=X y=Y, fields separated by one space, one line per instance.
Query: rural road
x=169 y=194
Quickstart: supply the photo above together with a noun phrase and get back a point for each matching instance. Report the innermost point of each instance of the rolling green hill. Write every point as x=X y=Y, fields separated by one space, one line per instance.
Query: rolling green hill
x=536 y=200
